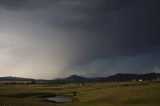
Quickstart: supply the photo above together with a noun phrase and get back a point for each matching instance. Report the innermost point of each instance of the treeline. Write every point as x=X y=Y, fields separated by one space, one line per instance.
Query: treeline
x=17 y=82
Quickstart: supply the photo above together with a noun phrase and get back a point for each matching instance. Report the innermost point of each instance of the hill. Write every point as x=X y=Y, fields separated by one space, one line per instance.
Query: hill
x=10 y=78
x=76 y=78
x=121 y=77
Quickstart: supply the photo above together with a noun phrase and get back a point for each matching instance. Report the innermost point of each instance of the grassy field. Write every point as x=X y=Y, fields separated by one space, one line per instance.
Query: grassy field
x=95 y=94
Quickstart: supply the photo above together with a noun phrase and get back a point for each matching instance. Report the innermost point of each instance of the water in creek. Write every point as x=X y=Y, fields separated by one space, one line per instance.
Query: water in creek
x=60 y=99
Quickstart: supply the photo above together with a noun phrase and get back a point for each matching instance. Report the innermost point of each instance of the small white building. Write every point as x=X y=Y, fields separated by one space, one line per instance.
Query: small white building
x=140 y=80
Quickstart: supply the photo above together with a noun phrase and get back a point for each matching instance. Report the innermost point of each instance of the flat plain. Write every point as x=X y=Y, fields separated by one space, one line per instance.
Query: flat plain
x=145 y=93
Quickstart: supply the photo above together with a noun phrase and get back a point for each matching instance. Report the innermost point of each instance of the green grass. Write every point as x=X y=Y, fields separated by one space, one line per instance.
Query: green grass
x=98 y=94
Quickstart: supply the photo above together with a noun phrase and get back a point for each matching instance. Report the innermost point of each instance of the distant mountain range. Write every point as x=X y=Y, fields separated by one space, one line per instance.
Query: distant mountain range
x=76 y=78
x=129 y=77
x=120 y=77
x=10 y=78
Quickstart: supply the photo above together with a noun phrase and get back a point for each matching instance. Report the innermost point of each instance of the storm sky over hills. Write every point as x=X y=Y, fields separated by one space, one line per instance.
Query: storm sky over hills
x=57 y=38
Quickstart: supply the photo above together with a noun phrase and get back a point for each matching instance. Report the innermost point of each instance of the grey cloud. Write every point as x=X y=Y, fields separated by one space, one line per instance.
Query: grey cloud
x=114 y=27
x=82 y=32
x=143 y=63
x=16 y=5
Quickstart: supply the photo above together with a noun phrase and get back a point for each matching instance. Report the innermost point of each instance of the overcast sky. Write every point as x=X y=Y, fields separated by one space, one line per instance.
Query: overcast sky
x=57 y=38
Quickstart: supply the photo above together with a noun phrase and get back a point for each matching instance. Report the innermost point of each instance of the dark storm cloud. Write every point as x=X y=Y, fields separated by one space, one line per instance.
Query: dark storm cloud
x=143 y=63
x=13 y=5
x=129 y=26
x=93 y=34
x=133 y=28
x=115 y=27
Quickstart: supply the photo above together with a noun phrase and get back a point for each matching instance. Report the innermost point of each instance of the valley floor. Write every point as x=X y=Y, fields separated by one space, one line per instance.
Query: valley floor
x=91 y=94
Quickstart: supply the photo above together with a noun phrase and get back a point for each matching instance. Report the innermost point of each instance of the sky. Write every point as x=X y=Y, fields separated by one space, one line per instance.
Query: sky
x=57 y=38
